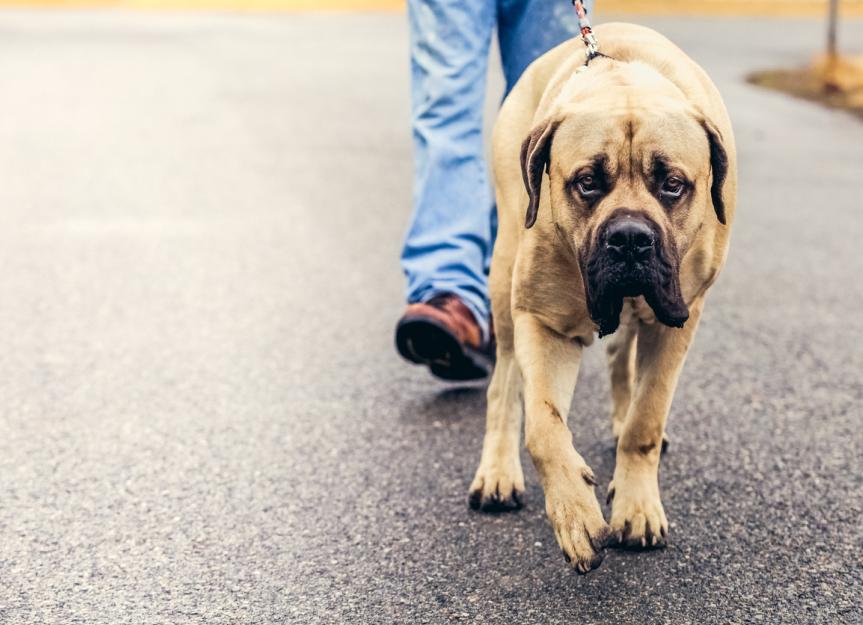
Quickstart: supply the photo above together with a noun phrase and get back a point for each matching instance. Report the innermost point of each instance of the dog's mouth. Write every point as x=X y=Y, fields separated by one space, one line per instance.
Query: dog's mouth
x=648 y=267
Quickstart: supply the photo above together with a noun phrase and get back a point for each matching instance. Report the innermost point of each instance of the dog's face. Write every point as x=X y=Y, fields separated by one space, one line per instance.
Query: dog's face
x=630 y=188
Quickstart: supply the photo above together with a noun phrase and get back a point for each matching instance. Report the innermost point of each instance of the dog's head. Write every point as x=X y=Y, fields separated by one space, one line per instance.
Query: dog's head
x=633 y=178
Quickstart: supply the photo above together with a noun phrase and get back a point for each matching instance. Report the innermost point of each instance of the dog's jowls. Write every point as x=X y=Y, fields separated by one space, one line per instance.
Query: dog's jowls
x=614 y=272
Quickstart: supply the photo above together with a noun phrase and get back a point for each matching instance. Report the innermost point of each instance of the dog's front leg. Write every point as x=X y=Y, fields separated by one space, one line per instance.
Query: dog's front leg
x=499 y=481
x=549 y=363
x=637 y=516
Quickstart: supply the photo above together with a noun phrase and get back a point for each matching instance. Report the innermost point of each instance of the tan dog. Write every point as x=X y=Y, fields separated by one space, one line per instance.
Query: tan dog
x=624 y=235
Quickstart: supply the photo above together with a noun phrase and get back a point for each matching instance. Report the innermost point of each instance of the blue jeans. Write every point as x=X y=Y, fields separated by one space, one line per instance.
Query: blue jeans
x=449 y=242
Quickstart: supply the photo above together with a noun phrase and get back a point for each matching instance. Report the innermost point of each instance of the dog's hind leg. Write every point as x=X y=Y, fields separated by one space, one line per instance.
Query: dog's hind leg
x=620 y=349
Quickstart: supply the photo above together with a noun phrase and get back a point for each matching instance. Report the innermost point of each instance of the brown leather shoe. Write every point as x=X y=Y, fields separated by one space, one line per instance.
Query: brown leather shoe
x=444 y=335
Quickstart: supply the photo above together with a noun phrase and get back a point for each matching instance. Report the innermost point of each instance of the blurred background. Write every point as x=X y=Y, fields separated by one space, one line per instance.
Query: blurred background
x=203 y=418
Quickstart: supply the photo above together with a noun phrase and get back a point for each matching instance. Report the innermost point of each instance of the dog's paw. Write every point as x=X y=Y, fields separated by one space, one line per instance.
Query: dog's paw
x=637 y=517
x=576 y=517
x=497 y=488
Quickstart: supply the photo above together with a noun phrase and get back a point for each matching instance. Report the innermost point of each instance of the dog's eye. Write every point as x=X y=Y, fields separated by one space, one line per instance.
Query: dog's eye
x=673 y=187
x=587 y=185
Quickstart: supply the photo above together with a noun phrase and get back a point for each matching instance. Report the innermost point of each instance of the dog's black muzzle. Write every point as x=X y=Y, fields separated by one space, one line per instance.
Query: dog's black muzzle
x=630 y=257
x=628 y=240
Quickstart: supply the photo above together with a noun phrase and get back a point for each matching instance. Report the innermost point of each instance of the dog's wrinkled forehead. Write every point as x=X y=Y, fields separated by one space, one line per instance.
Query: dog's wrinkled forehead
x=629 y=138
x=619 y=131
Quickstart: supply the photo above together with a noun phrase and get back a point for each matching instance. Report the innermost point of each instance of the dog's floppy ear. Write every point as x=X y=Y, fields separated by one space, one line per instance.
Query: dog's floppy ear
x=718 y=167
x=534 y=158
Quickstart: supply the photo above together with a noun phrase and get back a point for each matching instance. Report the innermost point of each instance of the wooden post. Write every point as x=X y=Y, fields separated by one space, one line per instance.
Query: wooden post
x=831 y=28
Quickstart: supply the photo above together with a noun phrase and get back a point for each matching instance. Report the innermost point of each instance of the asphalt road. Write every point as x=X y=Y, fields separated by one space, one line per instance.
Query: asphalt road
x=203 y=419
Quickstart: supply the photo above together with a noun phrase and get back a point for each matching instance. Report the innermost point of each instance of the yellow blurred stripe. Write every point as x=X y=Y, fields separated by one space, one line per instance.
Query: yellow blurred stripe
x=777 y=8
x=768 y=8
x=220 y=5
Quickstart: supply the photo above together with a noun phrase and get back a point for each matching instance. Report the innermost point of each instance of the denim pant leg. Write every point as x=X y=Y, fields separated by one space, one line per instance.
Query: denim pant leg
x=449 y=240
x=527 y=29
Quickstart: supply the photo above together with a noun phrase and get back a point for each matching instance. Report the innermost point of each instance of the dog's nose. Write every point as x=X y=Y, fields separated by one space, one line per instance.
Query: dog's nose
x=629 y=238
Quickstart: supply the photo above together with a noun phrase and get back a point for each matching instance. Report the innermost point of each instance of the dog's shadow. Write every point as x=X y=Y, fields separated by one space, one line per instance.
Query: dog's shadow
x=446 y=407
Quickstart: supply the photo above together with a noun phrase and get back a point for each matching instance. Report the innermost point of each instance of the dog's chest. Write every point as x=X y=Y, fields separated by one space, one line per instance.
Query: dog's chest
x=637 y=308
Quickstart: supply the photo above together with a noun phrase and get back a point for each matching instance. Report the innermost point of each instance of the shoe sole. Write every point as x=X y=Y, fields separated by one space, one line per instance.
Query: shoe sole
x=428 y=342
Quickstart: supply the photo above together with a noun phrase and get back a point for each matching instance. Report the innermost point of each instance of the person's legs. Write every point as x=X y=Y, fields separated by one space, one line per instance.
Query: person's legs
x=527 y=29
x=449 y=240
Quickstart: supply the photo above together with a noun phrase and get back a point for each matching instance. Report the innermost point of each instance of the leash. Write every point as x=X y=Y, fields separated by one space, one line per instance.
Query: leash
x=587 y=35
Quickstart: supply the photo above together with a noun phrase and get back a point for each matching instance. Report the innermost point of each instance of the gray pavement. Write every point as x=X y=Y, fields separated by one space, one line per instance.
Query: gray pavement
x=203 y=420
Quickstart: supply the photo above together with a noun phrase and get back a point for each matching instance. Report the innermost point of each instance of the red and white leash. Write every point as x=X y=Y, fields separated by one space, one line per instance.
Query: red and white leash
x=587 y=35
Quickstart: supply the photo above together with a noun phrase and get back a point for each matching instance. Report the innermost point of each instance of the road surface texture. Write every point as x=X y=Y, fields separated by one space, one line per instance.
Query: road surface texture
x=202 y=416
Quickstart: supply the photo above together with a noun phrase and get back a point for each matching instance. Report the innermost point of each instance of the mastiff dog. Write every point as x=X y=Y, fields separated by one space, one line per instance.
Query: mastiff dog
x=616 y=185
